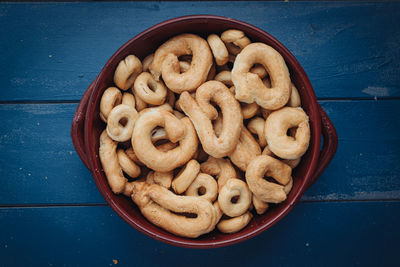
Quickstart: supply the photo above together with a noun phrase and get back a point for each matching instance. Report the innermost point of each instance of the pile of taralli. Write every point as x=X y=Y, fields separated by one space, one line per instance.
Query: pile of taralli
x=203 y=134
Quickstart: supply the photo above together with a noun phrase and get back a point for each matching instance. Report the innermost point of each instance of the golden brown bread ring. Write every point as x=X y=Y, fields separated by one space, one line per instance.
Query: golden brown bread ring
x=291 y=162
x=221 y=168
x=127 y=71
x=115 y=129
x=186 y=176
x=128 y=99
x=109 y=161
x=233 y=225
x=159 y=206
x=250 y=88
x=234 y=188
x=200 y=111
x=256 y=126
x=147 y=62
x=149 y=154
x=149 y=90
x=218 y=49
x=166 y=62
x=127 y=165
x=264 y=190
x=203 y=186
x=276 y=127
x=111 y=98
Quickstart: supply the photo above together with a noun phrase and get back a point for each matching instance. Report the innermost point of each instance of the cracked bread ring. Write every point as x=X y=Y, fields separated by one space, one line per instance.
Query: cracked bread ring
x=234 y=188
x=120 y=122
x=127 y=71
x=166 y=64
x=249 y=87
x=179 y=130
x=200 y=111
x=276 y=127
x=149 y=90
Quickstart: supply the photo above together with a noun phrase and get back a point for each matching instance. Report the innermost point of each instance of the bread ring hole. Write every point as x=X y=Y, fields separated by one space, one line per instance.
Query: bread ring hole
x=187 y=58
x=230 y=65
x=152 y=85
x=235 y=199
x=291 y=132
x=123 y=121
x=201 y=191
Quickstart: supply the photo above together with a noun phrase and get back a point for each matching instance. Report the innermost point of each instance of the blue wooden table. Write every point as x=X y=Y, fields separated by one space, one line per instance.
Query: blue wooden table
x=51 y=212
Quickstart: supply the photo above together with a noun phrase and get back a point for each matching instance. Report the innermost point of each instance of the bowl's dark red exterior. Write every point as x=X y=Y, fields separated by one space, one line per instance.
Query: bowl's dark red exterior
x=87 y=143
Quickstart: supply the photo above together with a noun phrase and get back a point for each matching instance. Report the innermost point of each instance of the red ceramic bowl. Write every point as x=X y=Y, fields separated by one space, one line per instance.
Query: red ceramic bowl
x=87 y=126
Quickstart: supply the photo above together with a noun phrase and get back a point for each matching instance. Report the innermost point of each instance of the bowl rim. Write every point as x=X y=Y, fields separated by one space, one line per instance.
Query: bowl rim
x=288 y=205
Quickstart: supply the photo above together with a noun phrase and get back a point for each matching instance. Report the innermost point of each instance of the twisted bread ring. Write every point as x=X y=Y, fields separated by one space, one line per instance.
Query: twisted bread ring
x=200 y=111
x=166 y=62
x=159 y=206
x=276 y=127
x=264 y=190
x=158 y=160
x=250 y=88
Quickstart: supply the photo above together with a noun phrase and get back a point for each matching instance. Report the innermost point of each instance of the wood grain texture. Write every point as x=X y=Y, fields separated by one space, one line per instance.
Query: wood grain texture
x=313 y=234
x=38 y=163
x=347 y=49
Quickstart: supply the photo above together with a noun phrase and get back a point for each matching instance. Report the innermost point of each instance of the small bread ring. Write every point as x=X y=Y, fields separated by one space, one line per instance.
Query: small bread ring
x=109 y=161
x=294 y=100
x=147 y=62
x=111 y=98
x=157 y=204
x=127 y=71
x=233 y=225
x=200 y=111
x=276 y=127
x=166 y=62
x=149 y=90
x=127 y=165
x=128 y=99
x=203 y=186
x=156 y=159
x=186 y=176
x=234 y=188
x=246 y=150
x=235 y=40
x=218 y=49
x=250 y=88
x=118 y=131
x=264 y=190
x=256 y=126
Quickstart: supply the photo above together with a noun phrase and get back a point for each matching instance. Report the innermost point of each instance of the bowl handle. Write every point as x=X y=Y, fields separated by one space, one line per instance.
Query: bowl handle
x=77 y=129
x=329 y=147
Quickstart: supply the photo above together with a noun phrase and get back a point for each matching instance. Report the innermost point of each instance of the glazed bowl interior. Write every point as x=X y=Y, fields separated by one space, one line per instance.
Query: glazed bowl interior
x=146 y=43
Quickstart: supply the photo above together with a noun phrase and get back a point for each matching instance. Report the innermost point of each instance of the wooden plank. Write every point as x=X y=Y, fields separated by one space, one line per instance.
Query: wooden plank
x=38 y=160
x=347 y=49
x=313 y=234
